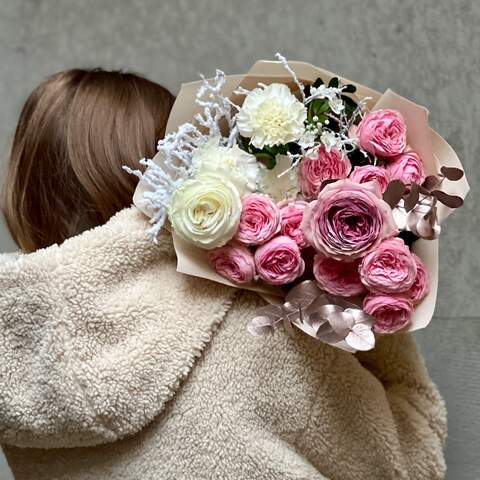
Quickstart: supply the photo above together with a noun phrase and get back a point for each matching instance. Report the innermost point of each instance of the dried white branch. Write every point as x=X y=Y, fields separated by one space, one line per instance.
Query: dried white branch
x=241 y=91
x=160 y=187
x=295 y=159
x=176 y=149
x=297 y=82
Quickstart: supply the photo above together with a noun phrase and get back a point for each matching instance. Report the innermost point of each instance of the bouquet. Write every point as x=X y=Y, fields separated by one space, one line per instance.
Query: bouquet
x=322 y=195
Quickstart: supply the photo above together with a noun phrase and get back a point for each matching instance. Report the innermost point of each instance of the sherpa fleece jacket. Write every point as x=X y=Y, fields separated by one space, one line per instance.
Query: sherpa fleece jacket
x=116 y=367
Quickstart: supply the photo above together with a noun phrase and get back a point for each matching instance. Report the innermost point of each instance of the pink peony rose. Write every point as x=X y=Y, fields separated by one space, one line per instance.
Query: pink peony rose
x=279 y=261
x=391 y=312
x=421 y=285
x=319 y=165
x=259 y=220
x=382 y=133
x=407 y=167
x=234 y=262
x=291 y=215
x=348 y=220
x=337 y=277
x=370 y=173
x=390 y=268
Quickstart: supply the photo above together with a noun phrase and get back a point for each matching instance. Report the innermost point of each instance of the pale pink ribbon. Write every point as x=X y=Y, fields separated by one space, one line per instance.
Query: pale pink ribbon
x=326 y=317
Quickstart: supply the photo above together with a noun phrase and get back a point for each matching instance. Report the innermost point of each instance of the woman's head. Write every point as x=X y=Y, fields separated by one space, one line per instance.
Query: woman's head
x=76 y=131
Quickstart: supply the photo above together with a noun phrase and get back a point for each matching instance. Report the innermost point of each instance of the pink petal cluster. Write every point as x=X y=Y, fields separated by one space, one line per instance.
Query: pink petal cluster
x=279 y=261
x=338 y=277
x=348 y=220
x=259 y=220
x=390 y=268
x=420 y=287
x=233 y=262
x=345 y=236
x=391 y=312
x=371 y=173
x=291 y=216
x=319 y=165
x=407 y=167
x=382 y=133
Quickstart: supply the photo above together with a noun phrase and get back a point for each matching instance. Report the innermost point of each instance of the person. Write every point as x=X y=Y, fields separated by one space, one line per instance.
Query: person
x=115 y=366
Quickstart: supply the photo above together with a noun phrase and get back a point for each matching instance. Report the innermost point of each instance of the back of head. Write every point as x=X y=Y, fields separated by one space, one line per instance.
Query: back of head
x=76 y=131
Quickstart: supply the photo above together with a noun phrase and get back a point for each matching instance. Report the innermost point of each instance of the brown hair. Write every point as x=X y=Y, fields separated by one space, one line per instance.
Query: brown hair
x=76 y=131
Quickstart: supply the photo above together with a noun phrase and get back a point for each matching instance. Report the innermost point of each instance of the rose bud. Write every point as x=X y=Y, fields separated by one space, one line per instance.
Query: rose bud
x=382 y=133
x=319 y=165
x=390 y=268
x=391 y=312
x=407 y=167
x=370 y=173
x=418 y=291
x=259 y=220
x=233 y=262
x=279 y=261
x=337 y=277
x=291 y=215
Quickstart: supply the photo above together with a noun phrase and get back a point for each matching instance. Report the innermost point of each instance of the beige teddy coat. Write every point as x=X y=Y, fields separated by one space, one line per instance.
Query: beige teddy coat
x=113 y=366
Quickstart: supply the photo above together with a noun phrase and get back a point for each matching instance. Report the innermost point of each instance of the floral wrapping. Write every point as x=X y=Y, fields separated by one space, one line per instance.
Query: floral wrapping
x=299 y=185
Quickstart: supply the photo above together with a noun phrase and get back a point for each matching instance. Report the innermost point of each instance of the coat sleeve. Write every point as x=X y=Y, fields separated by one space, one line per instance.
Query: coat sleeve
x=418 y=410
x=298 y=401
x=64 y=374
x=93 y=343
x=40 y=394
x=370 y=415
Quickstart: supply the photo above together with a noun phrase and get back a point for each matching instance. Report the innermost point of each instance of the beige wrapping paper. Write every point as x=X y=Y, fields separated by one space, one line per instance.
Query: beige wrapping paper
x=432 y=148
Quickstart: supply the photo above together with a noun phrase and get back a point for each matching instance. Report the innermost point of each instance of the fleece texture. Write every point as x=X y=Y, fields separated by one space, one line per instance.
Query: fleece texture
x=114 y=366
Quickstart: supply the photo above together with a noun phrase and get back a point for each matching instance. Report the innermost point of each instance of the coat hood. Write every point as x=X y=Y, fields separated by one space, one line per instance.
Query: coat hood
x=99 y=332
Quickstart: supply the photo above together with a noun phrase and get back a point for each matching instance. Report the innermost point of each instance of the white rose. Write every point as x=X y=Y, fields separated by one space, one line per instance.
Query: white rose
x=271 y=116
x=238 y=166
x=205 y=210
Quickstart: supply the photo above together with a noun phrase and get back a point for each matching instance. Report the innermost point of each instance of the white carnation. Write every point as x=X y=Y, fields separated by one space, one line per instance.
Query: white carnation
x=238 y=166
x=271 y=116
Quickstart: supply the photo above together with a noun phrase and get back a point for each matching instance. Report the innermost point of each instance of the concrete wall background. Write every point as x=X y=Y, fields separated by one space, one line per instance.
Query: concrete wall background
x=427 y=51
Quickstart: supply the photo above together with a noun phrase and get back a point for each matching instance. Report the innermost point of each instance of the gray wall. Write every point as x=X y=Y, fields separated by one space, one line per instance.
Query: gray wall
x=425 y=50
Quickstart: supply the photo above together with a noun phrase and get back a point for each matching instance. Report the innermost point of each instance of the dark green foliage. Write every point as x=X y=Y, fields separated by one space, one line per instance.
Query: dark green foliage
x=408 y=237
x=318 y=108
x=349 y=88
x=334 y=82
x=357 y=158
x=267 y=154
x=350 y=105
